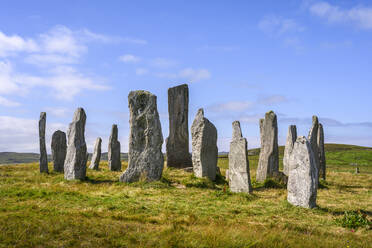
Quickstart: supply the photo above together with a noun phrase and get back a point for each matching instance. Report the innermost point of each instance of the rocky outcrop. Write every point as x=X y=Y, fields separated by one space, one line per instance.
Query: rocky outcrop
x=177 y=144
x=238 y=172
x=114 y=162
x=145 y=158
x=322 y=158
x=269 y=154
x=204 y=147
x=96 y=157
x=291 y=139
x=77 y=156
x=302 y=181
x=59 y=147
x=43 y=152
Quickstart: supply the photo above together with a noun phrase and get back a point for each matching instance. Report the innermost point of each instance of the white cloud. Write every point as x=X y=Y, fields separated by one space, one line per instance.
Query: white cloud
x=21 y=134
x=58 y=112
x=134 y=41
x=162 y=62
x=50 y=59
x=277 y=26
x=14 y=44
x=64 y=82
x=359 y=15
x=189 y=74
x=62 y=40
x=141 y=71
x=271 y=100
x=237 y=106
x=129 y=58
x=8 y=103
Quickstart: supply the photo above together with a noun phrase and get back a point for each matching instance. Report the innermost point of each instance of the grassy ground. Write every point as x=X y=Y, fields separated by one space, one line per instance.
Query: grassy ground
x=180 y=210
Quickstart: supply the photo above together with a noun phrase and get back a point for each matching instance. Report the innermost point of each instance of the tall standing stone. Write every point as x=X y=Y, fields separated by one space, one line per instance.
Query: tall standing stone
x=313 y=139
x=177 y=143
x=59 y=147
x=302 y=181
x=291 y=139
x=204 y=147
x=322 y=158
x=145 y=158
x=268 y=163
x=77 y=156
x=43 y=152
x=238 y=174
x=114 y=162
x=96 y=157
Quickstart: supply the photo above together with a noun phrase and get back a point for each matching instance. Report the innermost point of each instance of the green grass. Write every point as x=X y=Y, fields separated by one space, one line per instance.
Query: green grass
x=181 y=210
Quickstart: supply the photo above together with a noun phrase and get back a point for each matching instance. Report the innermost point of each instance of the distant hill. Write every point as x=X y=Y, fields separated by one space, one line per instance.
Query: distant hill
x=17 y=158
x=20 y=158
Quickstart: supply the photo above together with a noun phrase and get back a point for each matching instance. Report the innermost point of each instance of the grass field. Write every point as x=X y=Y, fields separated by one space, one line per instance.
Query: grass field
x=181 y=210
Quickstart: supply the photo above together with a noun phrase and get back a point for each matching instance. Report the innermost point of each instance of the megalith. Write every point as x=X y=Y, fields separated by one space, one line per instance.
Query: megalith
x=313 y=139
x=43 y=152
x=145 y=158
x=96 y=157
x=114 y=162
x=302 y=180
x=177 y=144
x=322 y=158
x=77 y=156
x=59 y=147
x=238 y=173
x=291 y=139
x=204 y=147
x=268 y=162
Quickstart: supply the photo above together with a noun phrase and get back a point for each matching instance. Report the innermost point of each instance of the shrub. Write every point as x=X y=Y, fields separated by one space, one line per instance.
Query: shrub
x=354 y=219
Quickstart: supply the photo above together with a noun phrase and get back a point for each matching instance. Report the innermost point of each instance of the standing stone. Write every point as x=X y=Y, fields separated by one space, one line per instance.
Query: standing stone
x=177 y=143
x=58 y=150
x=291 y=139
x=302 y=181
x=268 y=162
x=238 y=173
x=313 y=139
x=94 y=164
x=204 y=147
x=145 y=158
x=322 y=159
x=114 y=162
x=43 y=152
x=77 y=156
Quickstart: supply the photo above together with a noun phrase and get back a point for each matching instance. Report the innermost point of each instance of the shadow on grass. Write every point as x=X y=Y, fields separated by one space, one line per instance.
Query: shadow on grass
x=99 y=181
x=341 y=212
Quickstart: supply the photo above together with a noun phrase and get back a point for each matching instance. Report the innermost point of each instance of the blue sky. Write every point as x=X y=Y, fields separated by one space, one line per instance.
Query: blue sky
x=240 y=59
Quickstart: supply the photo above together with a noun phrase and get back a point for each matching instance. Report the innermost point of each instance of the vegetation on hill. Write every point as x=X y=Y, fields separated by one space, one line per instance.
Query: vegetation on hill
x=181 y=210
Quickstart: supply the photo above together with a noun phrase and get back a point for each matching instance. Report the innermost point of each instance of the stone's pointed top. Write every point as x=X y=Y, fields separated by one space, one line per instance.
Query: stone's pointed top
x=270 y=114
x=79 y=115
x=179 y=86
x=114 y=131
x=42 y=115
x=140 y=92
x=315 y=120
x=99 y=139
x=320 y=125
x=200 y=113
x=237 y=132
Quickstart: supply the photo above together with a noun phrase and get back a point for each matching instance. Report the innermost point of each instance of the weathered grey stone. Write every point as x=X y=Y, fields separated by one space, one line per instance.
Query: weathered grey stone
x=269 y=154
x=204 y=147
x=43 y=152
x=302 y=181
x=96 y=157
x=188 y=169
x=322 y=158
x=59 y=147
x=291 y=139
x=177 y=144
x=313 y=139
x=239 y=176
x=114 y=162
x=145 y=158
x=77 y=156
